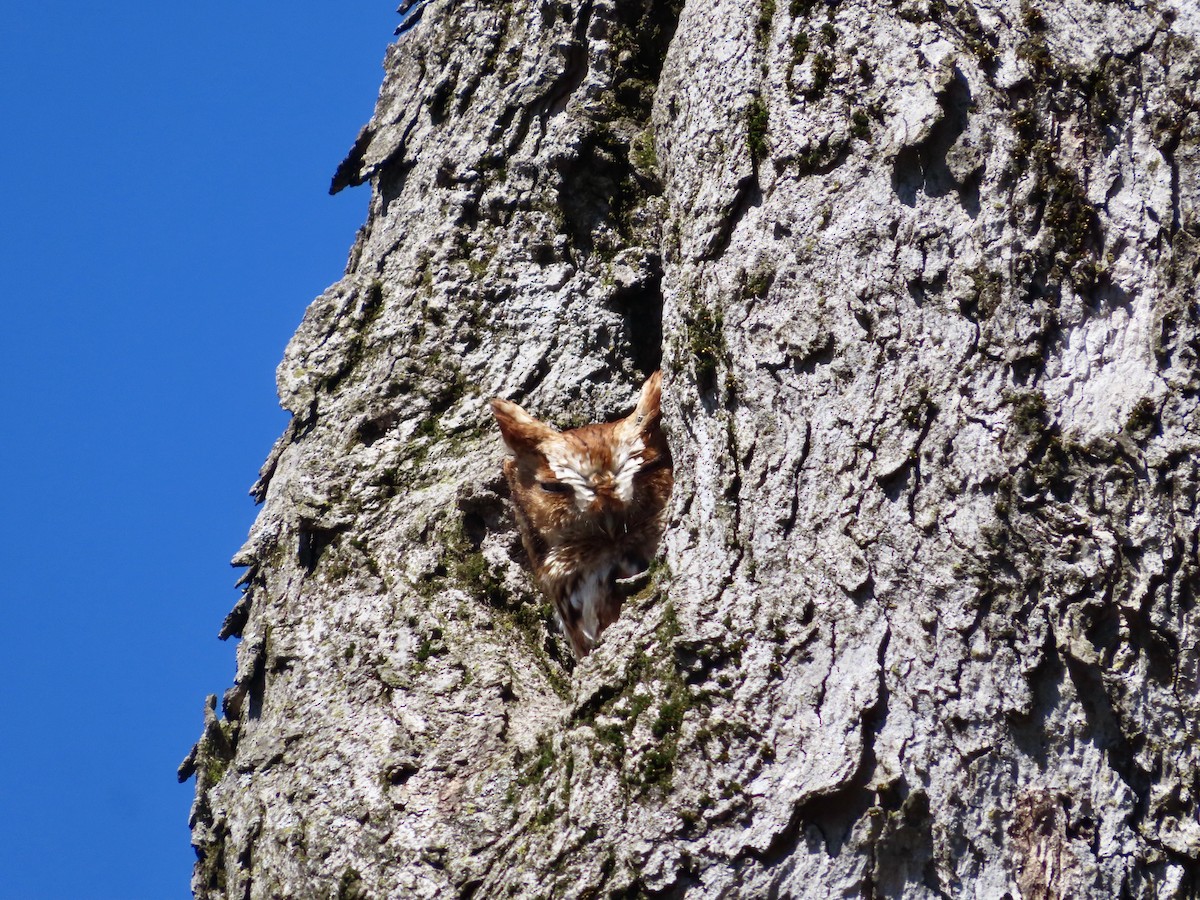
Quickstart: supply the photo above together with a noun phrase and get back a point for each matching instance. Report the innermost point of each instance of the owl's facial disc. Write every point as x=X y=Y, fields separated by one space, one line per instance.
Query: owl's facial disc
x=589 y=477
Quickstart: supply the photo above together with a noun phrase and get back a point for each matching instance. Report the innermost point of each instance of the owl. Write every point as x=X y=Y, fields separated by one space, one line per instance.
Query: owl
x=590 y=504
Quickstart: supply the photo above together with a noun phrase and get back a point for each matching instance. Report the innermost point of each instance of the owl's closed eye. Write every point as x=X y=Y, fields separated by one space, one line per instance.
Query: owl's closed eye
x=590 y=504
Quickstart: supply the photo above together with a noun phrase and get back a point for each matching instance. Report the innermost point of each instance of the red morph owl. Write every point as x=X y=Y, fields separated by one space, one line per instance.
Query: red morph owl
x=590 y=504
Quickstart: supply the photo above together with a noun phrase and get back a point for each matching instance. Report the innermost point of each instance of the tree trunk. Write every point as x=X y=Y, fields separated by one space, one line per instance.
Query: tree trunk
x=921 y=279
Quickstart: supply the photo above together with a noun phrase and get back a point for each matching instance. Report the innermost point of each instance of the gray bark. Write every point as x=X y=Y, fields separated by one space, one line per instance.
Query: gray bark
x=921 y=279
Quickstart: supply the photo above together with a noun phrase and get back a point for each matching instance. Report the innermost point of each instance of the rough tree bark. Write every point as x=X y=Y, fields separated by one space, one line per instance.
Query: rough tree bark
x=921 y=278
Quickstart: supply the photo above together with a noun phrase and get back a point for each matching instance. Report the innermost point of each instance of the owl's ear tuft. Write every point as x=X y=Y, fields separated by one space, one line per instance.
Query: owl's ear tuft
x=522 y=433
x=649 y=407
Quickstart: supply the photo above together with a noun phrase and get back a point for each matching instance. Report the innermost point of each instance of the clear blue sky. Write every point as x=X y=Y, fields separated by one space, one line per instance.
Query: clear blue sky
x=165 y=222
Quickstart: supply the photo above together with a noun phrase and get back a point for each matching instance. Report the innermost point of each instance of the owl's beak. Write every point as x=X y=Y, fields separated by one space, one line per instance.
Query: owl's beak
x=607 y=509
x=610 y=525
